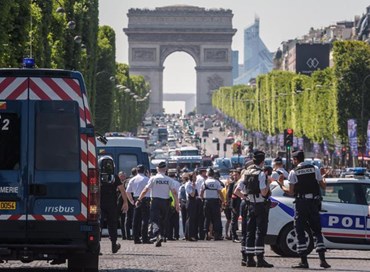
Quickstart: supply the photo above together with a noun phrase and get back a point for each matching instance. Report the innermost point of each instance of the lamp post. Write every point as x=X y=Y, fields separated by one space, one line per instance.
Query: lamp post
x=362 y=118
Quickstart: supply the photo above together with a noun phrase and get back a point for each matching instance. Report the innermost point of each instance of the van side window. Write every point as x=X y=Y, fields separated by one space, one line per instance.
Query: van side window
x=57 y=136
x=9 y=141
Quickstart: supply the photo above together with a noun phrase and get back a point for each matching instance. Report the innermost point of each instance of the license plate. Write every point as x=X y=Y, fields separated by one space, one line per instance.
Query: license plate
x=8 y=205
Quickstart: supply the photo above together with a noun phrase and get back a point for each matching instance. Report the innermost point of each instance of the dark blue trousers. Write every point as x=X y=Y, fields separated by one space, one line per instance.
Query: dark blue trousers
x=158 y=212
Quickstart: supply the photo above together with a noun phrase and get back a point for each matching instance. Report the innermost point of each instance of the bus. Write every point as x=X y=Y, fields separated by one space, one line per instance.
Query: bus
x=162 y=134
x=127 y=152
x=188 y=151
x=190 y=162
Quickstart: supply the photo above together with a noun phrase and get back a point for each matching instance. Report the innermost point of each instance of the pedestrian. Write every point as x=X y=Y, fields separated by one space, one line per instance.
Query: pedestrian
x=159 y=186
x=125 y=218
x=211 y=195
x=141 y=212
x=305 y=181
x=108 y=198
x=253 y=190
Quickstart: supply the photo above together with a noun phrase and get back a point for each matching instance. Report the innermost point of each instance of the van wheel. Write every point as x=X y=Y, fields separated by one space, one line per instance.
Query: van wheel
x=84 y=263
x=288 y=241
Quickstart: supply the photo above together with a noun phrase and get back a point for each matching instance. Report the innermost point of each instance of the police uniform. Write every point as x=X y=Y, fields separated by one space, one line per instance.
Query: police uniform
x=192 y=209
x=210 y=190
x=142 y=212
x=279 y=170
x=160 y=186
x=182 y=201
x=305 y=178
x=199 y=205
x=257 y=212
x=108 y=198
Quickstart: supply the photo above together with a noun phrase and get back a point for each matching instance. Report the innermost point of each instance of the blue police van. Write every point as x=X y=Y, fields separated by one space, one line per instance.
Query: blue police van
x=49 y=190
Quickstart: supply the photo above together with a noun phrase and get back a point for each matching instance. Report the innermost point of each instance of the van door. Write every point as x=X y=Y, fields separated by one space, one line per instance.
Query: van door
x=13 y=158
x=55 y=183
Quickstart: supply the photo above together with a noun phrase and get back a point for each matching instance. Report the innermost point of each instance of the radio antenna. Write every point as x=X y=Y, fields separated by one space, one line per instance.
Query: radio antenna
x=31 y=30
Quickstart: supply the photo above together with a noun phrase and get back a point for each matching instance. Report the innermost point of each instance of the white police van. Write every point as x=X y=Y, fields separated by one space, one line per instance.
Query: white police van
x=127 y=152
x=49 y=190
x=345 y=217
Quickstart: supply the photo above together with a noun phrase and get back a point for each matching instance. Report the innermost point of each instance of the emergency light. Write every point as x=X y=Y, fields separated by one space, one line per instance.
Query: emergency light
x=29 y=63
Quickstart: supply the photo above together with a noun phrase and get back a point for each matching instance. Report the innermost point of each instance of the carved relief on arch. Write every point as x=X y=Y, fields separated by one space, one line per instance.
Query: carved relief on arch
x=214 y=83
x=192 y=50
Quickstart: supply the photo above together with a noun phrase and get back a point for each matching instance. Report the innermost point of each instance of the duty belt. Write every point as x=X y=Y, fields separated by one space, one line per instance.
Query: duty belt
x=305 y=196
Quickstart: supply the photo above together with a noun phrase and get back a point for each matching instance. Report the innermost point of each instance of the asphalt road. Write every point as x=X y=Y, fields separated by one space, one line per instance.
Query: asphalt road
x=197 y=256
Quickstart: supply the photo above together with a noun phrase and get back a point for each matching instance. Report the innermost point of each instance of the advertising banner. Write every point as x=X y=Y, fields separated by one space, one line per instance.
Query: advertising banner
x=352 y=136
x=295 y=142
x=281 y=140
x=316 y=149
x=311 y=57
x=300 y=143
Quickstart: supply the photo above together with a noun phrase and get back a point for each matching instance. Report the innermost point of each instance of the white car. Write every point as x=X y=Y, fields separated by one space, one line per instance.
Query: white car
x=345 y=217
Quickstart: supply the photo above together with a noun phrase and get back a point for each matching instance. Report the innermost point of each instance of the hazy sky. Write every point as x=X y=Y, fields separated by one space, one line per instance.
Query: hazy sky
x=280 y=20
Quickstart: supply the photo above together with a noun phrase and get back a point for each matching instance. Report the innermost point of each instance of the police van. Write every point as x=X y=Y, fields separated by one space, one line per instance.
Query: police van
x=127 y=152
x=49 y=193
x=345 y=217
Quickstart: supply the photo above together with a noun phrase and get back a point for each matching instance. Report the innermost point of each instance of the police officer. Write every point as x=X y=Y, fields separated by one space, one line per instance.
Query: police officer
x=142 y=211
x=253 y=190
x=183 y=199
x=193 y=207
x=279 y=169
x=211 y=194
x=108 y=194
x=305 y=181
x=160 y=186
x=200 y=178
x=240 y=192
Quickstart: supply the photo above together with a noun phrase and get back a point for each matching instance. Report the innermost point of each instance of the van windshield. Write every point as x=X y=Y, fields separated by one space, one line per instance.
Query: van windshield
x=57 y=136
x=126 y=162
x=9 y=141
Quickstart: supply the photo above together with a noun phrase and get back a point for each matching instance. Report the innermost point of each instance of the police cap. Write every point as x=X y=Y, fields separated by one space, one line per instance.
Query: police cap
x=140 y=168
x=202 y=169
x=259 y=155
x=299 y=154
x=172 y=171
x=278 y=160
x=162 y=164
x=210 y=172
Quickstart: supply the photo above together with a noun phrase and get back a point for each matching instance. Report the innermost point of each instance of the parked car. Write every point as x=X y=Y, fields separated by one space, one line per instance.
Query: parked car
x=215 y=140
x=344 y=217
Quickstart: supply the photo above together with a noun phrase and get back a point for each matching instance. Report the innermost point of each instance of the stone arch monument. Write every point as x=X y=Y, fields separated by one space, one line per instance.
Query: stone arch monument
x=206 y=35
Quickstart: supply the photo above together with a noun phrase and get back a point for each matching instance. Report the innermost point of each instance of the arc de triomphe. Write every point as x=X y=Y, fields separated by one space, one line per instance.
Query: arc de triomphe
x=206 y=35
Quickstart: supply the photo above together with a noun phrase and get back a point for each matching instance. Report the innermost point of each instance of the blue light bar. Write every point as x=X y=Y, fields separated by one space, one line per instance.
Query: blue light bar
x=28 y=63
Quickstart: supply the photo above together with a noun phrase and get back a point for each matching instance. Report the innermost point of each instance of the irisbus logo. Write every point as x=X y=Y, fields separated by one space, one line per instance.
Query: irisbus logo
x=59 y=209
